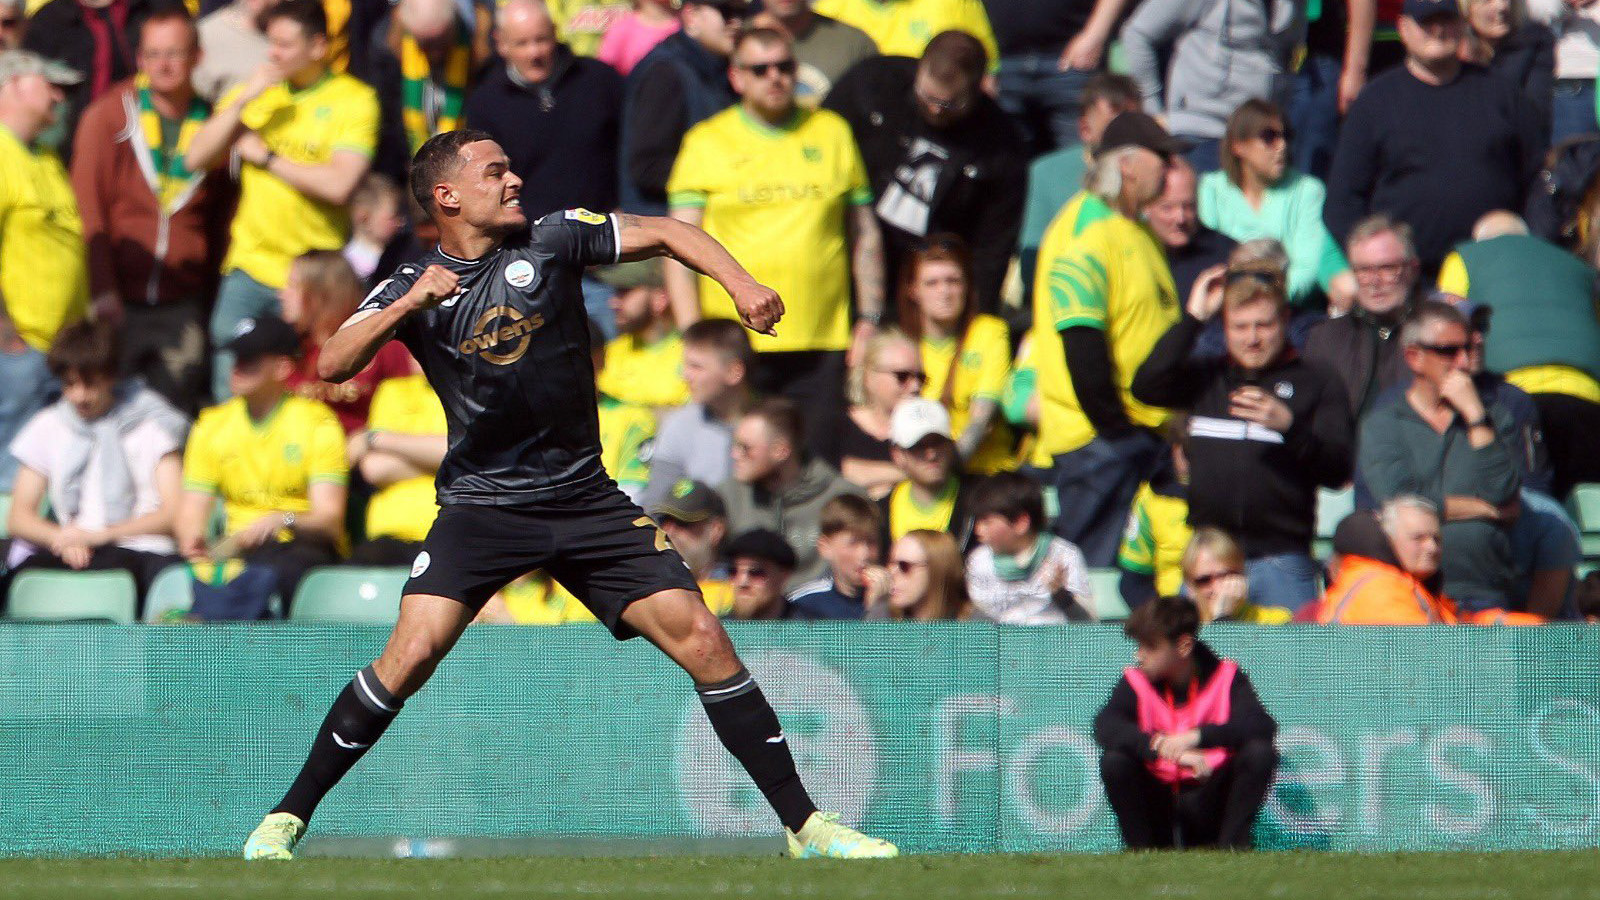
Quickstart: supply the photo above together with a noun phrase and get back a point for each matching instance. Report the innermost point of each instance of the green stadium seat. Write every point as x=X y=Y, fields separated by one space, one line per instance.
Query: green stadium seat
x=349 y=594
x=1332 y=507
x=49 y=595
x=172 y=593
x=5 y=516
x=1107 y=587
x=1584 y=504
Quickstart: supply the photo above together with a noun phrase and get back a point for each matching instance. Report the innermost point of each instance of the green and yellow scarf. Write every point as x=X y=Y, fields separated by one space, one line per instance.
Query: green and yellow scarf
x=172 y=176
x=431 y=107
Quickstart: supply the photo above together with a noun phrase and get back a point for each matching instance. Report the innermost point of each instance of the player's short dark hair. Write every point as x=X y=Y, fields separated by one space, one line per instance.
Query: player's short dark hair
x=175 y=13
x=1163 y=619
x=783 y=420
x=1114 y=88
x=437 y=159
x=852 y=513
x=86 y=349
x=1010 y=495
x=955 y=57
x=308 y=14
x=725 y=336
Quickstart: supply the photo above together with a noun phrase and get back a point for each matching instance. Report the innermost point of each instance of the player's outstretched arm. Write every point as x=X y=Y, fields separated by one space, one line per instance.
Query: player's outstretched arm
x=645 y=236
x=362 y=335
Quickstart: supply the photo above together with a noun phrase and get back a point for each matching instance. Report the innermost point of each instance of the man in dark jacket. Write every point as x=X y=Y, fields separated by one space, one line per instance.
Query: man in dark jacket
x=556 y=114
x=1265 y=429
x=1183 y=775
x=1363 y=346
x=680 y=83
x=940 y=154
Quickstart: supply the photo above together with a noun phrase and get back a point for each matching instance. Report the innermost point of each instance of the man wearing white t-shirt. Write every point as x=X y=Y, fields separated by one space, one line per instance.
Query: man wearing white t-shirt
x=108 y=458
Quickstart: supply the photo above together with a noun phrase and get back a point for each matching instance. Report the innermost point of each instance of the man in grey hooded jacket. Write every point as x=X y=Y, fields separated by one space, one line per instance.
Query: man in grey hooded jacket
x=1222 y=53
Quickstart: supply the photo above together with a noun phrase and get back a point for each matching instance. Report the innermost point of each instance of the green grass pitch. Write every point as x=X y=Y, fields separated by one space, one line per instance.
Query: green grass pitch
x=1191 y=876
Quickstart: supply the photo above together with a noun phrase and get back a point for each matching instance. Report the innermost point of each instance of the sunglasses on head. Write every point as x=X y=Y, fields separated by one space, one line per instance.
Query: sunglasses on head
x=1269 y=279
x=782 y=67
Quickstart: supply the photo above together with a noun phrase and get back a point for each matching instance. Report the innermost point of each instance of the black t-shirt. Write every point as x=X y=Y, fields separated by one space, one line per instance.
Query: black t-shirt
x=509 y=359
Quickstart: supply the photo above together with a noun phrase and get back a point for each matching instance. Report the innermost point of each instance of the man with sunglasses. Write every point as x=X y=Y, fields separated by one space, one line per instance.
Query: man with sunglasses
x=680 y=83
x=759 y=564
x=784 y=188
x=1442 y=441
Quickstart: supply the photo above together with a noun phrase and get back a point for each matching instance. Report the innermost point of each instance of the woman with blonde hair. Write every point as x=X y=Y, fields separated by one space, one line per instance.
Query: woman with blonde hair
x=1214 y=578
x=967 y=354
x=856 y=441
x=322 y=291
x=927 y=580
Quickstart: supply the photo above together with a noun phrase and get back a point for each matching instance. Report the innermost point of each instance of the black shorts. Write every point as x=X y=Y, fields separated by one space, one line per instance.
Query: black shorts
x=599 y=545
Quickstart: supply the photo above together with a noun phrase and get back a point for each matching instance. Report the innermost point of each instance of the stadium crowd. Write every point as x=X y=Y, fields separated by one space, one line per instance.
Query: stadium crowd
x=1073 y=288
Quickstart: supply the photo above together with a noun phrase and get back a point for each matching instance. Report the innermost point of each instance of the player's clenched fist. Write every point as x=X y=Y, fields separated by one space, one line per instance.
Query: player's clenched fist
x=436 y=285
x=759 y=307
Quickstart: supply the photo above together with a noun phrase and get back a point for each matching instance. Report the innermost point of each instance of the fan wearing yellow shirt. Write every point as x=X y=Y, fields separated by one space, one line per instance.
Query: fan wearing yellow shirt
x=967 y=354
x=644 y=363
x=785 y=190
x=398 y=453
x=275 y=460
x=306 y=137
x=904 y=27
x=1151 y=556
x=1103 y=297
x=44 y=281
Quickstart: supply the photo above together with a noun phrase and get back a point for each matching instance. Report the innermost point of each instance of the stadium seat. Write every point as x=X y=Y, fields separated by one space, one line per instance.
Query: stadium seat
x=48 y=595
x=349 y=594
x=1584 y=504
x=172 y=593
x=5 y=515
x=1332 y=507
x=1107 y=587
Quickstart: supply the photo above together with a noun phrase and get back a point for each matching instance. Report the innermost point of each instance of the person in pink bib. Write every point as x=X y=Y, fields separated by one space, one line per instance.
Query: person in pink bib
x=1187 y=746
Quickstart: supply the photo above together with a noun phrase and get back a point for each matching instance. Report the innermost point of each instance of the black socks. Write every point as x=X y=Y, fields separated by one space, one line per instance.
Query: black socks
x=358 y=718
x=747 y=726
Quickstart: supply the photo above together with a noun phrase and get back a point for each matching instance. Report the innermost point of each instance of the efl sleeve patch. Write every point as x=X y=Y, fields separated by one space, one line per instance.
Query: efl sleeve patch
x=583 y=215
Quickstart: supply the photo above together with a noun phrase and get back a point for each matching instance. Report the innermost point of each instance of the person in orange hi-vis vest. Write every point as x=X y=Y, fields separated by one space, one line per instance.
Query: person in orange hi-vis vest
x=1187 y=746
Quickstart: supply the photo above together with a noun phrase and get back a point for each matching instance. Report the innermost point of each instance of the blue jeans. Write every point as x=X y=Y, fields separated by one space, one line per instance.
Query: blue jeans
x=239 y=297
x=1314 y=114
x=1205 y=154
x=1572 y=109
x=1094 y=486
x=1043 y=100
x=1289 y=580
x=29 y=387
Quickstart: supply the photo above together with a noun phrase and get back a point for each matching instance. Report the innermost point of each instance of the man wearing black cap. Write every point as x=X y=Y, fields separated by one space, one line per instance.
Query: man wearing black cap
x=696 y=520
x=682 y=82
x=1102 y=297
x=276 y=460
x=760 y=563
x=1435 y=143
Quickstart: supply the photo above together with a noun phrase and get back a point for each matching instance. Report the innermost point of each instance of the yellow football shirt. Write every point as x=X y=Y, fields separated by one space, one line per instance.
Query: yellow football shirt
x=626 y=432
x=1100 y=269
x=582 y=24
x=43 y=273
x=405 y=509
x=275 y=222
x=778 y=199
x=904 y=27
x=1158 y=533
x=266 y=467
x=645 y=374
x=906 y=514
x=980 y=374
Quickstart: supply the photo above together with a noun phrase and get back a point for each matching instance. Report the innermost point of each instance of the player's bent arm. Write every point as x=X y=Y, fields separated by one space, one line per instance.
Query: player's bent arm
x=326 y=517
x=682 y=291
x=642 y=237
x=362 y=335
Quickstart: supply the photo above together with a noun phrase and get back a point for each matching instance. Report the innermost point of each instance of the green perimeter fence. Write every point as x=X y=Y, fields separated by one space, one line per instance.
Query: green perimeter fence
x=947 y=737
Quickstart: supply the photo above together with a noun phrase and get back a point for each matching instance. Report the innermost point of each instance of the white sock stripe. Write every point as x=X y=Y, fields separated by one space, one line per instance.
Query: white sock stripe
x=361 y=682
x=747 y=682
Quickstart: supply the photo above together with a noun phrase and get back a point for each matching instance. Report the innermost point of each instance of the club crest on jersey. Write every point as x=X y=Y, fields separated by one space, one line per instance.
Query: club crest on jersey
x=519 y=274
x=583 y=215
x=501 y=335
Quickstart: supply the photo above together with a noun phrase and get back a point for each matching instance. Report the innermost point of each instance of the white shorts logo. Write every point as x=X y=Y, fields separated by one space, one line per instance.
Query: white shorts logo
x=519 y=274
x=421 y=565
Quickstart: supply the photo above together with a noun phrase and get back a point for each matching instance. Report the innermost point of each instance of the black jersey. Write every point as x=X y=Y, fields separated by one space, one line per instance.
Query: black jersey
x=510 y=360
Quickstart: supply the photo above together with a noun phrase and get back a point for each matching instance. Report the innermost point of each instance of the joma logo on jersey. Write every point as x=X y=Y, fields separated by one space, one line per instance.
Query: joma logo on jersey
x=502 y=335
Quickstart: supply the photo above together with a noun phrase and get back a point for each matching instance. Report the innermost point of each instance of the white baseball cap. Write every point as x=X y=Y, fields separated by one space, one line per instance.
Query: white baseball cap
x=914 y=419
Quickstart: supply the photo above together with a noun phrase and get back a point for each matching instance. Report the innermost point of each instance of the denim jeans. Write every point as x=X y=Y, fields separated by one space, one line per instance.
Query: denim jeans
x=1094 y=486
x=239 y=297
x=29 y=387
x=1205 y=154
x=1572 y=109
x=1314 y=115
x=1043 y=100
x=1288 y=580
